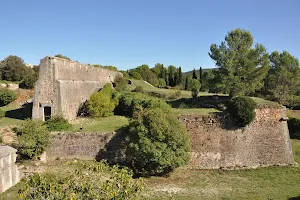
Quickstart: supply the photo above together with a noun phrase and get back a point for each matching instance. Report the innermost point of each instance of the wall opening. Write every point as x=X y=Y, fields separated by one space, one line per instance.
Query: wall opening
x=47 y=113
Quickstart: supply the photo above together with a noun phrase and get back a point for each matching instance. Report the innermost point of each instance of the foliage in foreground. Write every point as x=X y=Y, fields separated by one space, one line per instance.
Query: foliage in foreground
x=91 y=180
x=57 y=123
x=242 y=110
x=103 y=103
x=7 y=96
x=156 y=143
x=33 y=138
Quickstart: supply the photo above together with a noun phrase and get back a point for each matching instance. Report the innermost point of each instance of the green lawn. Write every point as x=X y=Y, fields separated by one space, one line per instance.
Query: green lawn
x=262 y=183
x=106 y=124
x=198 y=111
x=184 y=93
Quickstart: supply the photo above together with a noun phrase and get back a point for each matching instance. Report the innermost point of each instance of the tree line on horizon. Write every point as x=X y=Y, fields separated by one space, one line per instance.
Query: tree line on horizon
x=244 y=68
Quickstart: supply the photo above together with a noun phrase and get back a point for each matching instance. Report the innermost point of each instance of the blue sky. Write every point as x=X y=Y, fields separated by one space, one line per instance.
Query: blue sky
x=134 y=32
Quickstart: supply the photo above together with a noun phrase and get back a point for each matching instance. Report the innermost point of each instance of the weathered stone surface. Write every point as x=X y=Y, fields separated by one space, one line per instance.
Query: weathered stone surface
x=85 y=146
x=9 y=173
x=64 y=85
x=216 y=143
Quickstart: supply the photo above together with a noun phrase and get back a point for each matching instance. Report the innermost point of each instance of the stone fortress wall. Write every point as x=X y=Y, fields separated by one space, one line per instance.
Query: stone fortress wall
x=217 y=144
x=64 y=85
x=214 y=142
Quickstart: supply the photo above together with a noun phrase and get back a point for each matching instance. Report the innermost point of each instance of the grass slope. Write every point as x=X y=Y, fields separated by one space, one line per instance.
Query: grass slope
x=101 y=125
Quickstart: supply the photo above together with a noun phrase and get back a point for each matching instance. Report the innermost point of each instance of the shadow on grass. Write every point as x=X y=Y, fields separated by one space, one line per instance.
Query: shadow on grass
x=294 y=198
x=21 y=113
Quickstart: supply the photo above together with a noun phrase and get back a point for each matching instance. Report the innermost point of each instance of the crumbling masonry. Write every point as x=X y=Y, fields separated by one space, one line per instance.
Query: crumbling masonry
x=64 y=85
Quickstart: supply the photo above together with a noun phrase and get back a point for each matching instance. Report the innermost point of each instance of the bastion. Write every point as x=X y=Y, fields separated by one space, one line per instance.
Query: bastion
x=64 y=85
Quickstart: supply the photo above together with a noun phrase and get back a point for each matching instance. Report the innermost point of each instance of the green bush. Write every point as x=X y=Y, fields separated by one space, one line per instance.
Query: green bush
x=139 y=89
x=2 y=113
x=33 y=138
x=161 y=82
x=131 y=103
x=121 y=83
x=91 y=180
x=242 y=110
x=7 y=96
x=57 y=123
x=136 y=75
x=103 y=103
x=157 y=143
x=294 y=125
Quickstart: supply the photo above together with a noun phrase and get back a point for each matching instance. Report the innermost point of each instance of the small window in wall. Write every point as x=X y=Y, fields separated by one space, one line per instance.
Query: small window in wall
x=47 y=112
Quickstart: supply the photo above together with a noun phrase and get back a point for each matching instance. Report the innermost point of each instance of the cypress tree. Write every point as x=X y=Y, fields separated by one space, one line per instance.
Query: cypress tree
x=194 y=74
x=179 y=76
x=186 y=83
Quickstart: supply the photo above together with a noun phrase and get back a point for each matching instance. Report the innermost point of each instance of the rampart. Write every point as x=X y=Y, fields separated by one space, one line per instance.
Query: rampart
x=215 y=142
x=64 y=85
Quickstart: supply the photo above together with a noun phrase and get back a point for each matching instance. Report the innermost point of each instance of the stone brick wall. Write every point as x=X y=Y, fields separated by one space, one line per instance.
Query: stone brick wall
x=85 y=146
x=63 y=85
x=216 y=143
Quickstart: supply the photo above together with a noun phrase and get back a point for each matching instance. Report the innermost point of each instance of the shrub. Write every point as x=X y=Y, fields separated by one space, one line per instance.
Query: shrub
x=139 y=89
x=7 y=96
x=161 y=82
x=121 y=83
x=242 y=110
x=92 y=180
x=2 y=113
x=33 y=138
x=294 y=125
x=157 y=143
x=103 y=103
x=175 y=95
x=136 y=75
x=194 y=84
x=57 y=123
x=130 y=103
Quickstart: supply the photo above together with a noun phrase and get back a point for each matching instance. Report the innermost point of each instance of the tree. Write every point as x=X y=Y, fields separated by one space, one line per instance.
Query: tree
x=283 y=77
x=242 y=68
x=194 y=86
x=194 y=74
x=186 y=83
x=62 y=56
x=171 y=75
x=179 y=76
x=201 y=79
x=30 y=77
x=13 y=68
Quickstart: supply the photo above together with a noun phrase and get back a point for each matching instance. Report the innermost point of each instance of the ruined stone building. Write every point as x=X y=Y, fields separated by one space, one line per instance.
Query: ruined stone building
x=64 y=85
